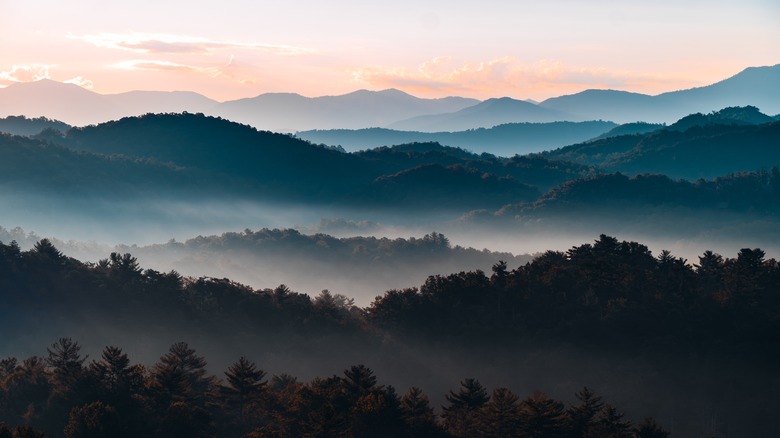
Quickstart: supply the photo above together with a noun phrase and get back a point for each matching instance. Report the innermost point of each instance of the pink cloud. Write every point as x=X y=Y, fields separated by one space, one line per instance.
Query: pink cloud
x=80 y=81
x=509 y=76
x=180 y=44
x=25 y=73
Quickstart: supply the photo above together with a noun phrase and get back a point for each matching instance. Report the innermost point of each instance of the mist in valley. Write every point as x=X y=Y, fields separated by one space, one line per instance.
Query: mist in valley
x=425 y=262
x=358 y=254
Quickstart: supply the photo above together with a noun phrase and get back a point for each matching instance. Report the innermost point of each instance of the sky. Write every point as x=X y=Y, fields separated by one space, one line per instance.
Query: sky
x=489 y=48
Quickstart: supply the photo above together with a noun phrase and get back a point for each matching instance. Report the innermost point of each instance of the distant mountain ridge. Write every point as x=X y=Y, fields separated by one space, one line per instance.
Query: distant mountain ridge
x=697 y=146
x=288 y=112
x=756 y=86
x=485 y=114
x=155 y=162
x=21 y=125
x=280 y=112
x=504 y=140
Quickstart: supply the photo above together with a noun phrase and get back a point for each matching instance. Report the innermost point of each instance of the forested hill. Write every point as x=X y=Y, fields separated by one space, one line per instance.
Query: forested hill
x=204 y=152
x=698 y=146
x=186 y=157
x=177 y=397
x=360 y=267
x=21 y=125
x=688 y=325
x=749 y=192
x=505 y=140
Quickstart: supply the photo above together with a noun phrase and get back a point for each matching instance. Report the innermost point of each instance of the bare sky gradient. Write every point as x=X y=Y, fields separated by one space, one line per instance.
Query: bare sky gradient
x=522 y=49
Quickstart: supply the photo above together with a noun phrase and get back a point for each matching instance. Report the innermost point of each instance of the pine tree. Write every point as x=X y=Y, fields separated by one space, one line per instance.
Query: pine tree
x=64 y=358
x=180 y=375
x=581 y=417
x=417 y=413
x=500 y=417
x=542 y=417
x=460 y=416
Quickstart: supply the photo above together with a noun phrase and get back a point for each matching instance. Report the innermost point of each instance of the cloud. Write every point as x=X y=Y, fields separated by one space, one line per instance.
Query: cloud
x=508 y=76
x=80 y=81
x=180 y=44
x=231 y=69
x=143 y=64
x=26 y=73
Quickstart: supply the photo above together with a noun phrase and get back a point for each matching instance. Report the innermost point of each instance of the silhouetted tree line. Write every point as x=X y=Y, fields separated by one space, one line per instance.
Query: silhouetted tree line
x=357 y=250
x=601 y=293
x=755 y=192
x=698 y=147
x=62 y=394
x=44 y=284
x=610 y=296
x=21 y=125
x=606 y=293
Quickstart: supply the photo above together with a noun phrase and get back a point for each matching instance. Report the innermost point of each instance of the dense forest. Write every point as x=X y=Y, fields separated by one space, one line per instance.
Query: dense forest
x=21 y=125
x=708 y=330
x=359 y=266
x=61 y=394
x=173 y=156
x=732 y=140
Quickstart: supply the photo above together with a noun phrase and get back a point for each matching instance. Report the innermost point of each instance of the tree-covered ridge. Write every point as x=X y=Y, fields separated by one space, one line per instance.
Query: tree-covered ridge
x=720 y=316
x=735 y=115
x=361 y=267
x=207 y=154
x=207 y=157
x=62 y=394
x=700 y=147
x=505 y=140
x=30 y=165
x=601 y=293
x=748 y=192
x=360 y=250
x=592 y=288
x=21 y=125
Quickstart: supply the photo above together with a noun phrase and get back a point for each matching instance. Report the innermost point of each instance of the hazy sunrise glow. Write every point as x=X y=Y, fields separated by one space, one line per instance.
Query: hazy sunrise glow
x=520 y=49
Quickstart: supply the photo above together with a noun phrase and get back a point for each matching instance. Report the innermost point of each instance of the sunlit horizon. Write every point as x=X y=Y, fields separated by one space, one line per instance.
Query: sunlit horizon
x=521 y=49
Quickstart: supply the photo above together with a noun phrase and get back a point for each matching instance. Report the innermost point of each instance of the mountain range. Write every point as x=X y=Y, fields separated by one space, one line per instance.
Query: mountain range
x=198 y=157
x=735 y=139
x=757 y=86
x=504 y=140
x=288 y=112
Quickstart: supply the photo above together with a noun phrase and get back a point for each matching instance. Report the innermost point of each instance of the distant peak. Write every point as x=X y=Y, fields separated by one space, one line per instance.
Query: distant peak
x=46 y=83
x=394 y=91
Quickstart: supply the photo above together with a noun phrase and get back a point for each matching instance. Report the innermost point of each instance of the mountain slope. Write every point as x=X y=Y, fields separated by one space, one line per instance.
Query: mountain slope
x=269 y=165
x=136 y=103
x=485 y=114
x=287 y=112
x=697 y=146
x=758 y=86
x=505 y=140
x=66 y=102
x=617 y=106
x=21 y=125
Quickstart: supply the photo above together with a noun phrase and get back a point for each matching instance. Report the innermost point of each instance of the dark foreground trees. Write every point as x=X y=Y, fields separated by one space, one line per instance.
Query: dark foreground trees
x=709 y=330
x=177 y=398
